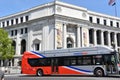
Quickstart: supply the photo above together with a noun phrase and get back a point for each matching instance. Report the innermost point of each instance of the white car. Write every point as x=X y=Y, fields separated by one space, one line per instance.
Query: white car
x=1 y=75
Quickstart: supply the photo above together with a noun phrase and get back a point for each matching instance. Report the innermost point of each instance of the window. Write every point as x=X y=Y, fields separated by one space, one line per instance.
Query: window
x=12 y=33
x=66 y=61
x=91 y=36
x=117 y=24
x=98 y=33
x=105 y=35
x=12 y=22
x=3 y=24
x=37 y=47
x=15 y=32
x=13 y=62
x=21 y=19
x=97 y=60
x=7 y=23
x=21 y=31
x=111 y=23
x=16 y=20
x=73 y=61
x=70 y=42
x=80 y=61
x=39 y=62
x=26 y=18
x=98 y=21
x=91 y=19
x=26 y=30
x=105 y=22
x=87 y=60
x=118 y=40
x=23 y=46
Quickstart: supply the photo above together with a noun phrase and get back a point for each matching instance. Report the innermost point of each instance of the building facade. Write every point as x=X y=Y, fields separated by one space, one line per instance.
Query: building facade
x=59 y=25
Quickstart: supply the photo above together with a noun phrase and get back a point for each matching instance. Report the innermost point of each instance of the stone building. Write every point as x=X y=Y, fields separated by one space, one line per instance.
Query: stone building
x=57 y=25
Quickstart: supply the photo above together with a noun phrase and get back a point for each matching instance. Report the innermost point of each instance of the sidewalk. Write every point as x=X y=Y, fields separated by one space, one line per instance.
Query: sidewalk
x=15 y=74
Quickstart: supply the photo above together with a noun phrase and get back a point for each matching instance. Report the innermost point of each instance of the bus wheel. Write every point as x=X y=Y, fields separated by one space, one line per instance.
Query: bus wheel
x=39 y=72
x=98 y=72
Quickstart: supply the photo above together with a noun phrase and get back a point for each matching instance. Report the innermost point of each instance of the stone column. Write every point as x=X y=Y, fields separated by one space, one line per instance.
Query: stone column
x=24 y=19
x=109 y=41
x=30 y=37
x=64 y=36
x=19 y=20
x=18 y=45
x=5 y=23
x=46 y=39
x=95 y=38
x=78 y=36
x=102 y=38
x=18 y=49
x=115 y=40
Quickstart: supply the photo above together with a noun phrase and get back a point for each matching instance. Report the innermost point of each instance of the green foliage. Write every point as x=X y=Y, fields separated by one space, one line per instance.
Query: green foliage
x=6 y=48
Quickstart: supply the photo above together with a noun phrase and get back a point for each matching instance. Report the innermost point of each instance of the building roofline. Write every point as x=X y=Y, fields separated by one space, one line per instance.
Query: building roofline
x=58 y=3
x=26 y=11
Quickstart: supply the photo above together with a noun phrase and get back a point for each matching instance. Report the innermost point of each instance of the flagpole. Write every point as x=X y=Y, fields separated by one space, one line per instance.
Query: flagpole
x=115 y=8
x=113 y=3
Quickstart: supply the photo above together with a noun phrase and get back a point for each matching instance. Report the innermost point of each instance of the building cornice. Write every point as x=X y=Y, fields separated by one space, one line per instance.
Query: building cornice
x=99 y=26
x=103 y=15
x=30 y=22
x=59 y=3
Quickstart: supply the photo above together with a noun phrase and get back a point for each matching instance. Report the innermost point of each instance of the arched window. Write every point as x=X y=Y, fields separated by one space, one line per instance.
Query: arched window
x=14 y=45
x=98 y=35
x=70 y=42
x=112 y=37
x=118 y=39
x=37 y=45
x=105 y=34
x=23 y=46
x=91 y=36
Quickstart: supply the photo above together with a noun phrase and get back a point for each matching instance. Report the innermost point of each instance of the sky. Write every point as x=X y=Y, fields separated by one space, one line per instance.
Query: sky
x=8 y=7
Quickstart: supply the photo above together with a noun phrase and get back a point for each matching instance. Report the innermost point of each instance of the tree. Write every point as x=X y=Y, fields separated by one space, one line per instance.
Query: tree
x=6 y=48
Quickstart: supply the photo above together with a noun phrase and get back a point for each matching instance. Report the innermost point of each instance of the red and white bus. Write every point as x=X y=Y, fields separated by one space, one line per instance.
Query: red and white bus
x=98 y=61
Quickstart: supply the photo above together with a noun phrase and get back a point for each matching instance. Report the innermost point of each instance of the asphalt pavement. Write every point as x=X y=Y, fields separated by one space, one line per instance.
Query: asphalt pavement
x=28 y=77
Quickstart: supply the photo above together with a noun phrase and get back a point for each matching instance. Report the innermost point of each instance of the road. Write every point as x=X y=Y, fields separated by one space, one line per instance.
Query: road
x=25 y=77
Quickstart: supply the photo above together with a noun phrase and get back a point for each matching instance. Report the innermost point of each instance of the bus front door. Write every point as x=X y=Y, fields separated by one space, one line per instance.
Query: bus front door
x=54 y=66
x=111 y=65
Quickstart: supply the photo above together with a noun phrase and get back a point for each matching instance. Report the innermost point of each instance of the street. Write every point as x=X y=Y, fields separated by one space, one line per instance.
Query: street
x=25 y=77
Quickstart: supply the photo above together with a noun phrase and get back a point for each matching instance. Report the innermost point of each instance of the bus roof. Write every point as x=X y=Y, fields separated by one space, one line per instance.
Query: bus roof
x=75 y=51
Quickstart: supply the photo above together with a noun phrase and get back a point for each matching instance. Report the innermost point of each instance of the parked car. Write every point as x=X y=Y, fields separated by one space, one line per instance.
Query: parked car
x=1 y=75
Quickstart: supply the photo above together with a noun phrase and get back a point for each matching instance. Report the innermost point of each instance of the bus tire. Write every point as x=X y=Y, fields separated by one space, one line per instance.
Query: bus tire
x=98 y=72
x=39 y=72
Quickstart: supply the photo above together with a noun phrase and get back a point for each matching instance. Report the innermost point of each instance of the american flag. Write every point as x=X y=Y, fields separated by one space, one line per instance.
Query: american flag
x=111 y=2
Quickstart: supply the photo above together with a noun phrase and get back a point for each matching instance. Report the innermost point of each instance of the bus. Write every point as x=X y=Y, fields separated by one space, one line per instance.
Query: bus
x=98 y=61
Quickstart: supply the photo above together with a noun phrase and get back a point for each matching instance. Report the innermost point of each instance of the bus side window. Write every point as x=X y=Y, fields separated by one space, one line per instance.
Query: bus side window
x=66 y=62
x=73 y=61
x=61 y=61
x=97 y=60
x=87 y=60
x=79 y=61
x=44 y=62
x=70 y=61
